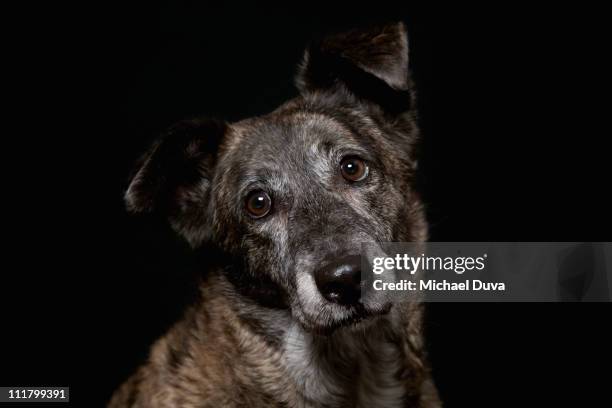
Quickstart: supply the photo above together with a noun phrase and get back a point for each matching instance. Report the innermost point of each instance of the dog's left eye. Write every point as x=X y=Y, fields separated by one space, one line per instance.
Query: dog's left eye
x=354 y=169
x=258 y=204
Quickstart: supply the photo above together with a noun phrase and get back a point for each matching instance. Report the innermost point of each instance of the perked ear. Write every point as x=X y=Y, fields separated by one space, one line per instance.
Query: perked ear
x=173 y=178
x=371 y=63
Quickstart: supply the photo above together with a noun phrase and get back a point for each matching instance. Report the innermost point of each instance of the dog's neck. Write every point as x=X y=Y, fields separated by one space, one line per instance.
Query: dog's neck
x=350 y=367
x=364 y=365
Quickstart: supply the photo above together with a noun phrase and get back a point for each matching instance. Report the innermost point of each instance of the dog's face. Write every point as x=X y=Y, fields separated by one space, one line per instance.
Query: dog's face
x=293 y=194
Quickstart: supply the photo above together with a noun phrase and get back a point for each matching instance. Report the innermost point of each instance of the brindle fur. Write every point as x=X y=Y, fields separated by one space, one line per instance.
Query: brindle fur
x=261 y=335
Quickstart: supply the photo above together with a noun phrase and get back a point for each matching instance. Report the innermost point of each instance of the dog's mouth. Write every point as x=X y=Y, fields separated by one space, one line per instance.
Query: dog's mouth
x=351 y=317
x=360 y=318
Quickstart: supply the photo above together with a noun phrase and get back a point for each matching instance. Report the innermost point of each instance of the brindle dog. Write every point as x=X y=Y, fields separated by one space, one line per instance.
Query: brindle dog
x=286 y=199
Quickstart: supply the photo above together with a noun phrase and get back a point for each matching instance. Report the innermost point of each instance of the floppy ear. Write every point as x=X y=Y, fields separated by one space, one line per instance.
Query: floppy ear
x=372 y=64
x=173 y=178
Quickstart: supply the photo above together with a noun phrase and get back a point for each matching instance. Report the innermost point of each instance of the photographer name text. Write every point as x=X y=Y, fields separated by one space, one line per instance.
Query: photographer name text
x=435 y=285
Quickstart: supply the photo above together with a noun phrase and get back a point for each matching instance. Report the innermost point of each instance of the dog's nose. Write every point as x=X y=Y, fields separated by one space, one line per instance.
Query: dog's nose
x=340 y=281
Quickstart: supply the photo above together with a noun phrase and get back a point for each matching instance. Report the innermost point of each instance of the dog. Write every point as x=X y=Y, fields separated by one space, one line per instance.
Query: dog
x=284 y=201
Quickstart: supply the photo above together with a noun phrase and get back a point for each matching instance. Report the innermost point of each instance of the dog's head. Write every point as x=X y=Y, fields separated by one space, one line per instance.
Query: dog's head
x=294 y=193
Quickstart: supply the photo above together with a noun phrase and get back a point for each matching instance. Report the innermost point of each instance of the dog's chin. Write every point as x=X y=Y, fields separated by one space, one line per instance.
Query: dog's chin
x=358 y=317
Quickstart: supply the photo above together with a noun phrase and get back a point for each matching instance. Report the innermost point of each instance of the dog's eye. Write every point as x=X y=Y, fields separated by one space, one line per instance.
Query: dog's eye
x=258 y=204
x=354 y=169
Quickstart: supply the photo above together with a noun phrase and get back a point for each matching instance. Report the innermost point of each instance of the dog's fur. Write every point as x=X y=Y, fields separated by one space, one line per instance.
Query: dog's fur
x=262 y=334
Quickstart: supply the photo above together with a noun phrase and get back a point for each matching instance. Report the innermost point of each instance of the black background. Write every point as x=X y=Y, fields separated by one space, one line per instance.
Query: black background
x=512 y=151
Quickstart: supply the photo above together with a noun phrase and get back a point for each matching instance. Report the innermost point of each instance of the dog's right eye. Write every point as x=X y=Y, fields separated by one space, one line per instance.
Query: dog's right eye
x=354 y=169
x=258 y=204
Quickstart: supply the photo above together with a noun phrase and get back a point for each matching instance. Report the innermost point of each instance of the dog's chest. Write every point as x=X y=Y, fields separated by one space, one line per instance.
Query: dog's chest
x=344 y=371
